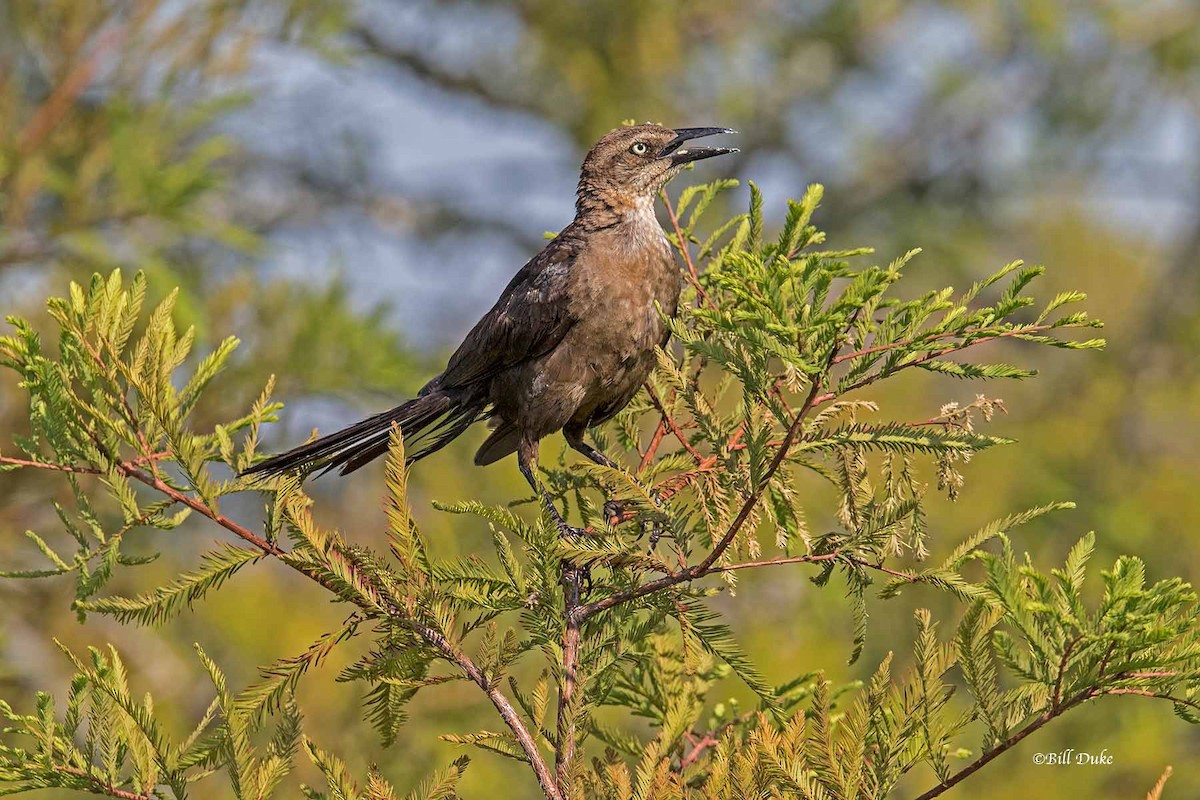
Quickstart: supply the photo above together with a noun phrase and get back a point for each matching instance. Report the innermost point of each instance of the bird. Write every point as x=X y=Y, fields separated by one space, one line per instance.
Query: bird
x=571 y=339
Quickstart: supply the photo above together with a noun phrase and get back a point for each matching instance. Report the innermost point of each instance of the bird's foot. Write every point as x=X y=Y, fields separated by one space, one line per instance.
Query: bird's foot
x=655 y=528
x=583 y=578
x=615 y=513
x=568 y=531
x=580 y=576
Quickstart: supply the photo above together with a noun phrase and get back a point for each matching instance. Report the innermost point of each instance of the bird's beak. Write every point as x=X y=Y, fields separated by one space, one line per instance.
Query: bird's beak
x=680 y=155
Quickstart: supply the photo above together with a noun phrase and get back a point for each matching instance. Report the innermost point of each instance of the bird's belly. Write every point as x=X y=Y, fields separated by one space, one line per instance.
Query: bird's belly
x=619 y=357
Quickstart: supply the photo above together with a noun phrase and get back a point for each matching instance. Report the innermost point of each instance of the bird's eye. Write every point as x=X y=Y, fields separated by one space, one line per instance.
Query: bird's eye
x=639 y=148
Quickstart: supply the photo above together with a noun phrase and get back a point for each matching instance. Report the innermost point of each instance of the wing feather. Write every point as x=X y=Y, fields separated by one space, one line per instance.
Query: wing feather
x=529 y=320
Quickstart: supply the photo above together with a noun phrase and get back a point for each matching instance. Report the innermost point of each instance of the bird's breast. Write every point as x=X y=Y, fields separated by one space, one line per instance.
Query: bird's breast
x=625 y=278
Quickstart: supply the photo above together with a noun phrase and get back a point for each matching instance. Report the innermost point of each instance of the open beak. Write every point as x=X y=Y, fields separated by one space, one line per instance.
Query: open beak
x=680 y=155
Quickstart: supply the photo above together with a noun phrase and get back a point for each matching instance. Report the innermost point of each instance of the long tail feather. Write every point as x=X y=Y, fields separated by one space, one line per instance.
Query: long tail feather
x=435 y=415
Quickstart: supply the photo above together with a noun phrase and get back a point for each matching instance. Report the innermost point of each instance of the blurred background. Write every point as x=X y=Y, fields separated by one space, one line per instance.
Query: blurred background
x=347 y=186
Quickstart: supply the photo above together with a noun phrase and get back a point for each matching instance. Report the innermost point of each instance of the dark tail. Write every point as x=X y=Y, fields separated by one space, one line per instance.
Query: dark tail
x=429 y=422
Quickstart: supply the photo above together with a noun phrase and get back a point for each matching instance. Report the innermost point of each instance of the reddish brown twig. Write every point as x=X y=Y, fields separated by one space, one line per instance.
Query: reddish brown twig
x=774 y=562
x=671 y=424
x=456 y=656
x=22 y=462
x=1055 y=710
x=992 y=336
x=693 y=276
x=448 y=650
x=673 y=484
x=564 y=746
x=751 y=502
x=502 y=704
x=1005 y=746
x=1183 y=701
x=687 y=574
x=698 y=748
x=660 y=431
x=1164 y=674
x=743 y=514
x=100 y=786
x=241 y=531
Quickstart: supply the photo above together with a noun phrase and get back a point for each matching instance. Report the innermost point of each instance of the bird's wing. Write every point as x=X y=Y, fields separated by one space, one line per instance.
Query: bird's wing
x=529 y=320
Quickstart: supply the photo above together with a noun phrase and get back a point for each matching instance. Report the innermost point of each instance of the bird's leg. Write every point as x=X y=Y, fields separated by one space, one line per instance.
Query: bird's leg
x=574 y=436
x=613 y=509
x=573 y=578
x=527 y=453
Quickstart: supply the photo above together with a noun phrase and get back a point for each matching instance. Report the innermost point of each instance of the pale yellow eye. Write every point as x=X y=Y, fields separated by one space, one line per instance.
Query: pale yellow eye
x=639 y=148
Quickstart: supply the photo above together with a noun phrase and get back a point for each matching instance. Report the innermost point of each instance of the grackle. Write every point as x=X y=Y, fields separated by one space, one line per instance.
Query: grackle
x=571 y=338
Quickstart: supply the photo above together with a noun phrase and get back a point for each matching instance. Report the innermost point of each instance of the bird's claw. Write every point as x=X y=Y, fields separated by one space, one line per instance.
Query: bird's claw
x=581 y=575
x=614 y=514
x=585 y=580
x=570 y=531
x=614 y=510
x=655 y=528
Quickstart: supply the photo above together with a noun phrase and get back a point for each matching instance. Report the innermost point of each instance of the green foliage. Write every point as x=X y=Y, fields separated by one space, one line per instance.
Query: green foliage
x=763 y=390
x=343 y=787
x=216 y=567
x=1055 y=651
x=106 y=740
x=109 y=403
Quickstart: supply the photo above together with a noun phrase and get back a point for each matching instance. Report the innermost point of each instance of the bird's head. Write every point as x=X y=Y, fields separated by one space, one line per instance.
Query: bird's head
x=631 y=164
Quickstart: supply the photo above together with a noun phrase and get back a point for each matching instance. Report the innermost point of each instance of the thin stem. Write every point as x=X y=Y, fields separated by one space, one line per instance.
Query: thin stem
x=1055 y=710
x=503 y=705
x=1157 y=674
x=747 y=508
x=46 y=465
x=688 y=574
x=652 y=449
x=932 y=355
x=564 y=746
x=672 y=424
x=202 y=508
x=671 y=485
x=752 y=501
x=775 y=562
x=1056 y=697
x=709 y=739
x=100 y=786
x=698 y=747
x=933 y=337
x=878 y=566
x=23 y=462
x=1183 y=701
x=1006 y=745
x=693 y=276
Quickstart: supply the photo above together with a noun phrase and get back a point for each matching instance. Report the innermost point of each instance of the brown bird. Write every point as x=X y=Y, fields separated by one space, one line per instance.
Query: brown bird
x=572 y=336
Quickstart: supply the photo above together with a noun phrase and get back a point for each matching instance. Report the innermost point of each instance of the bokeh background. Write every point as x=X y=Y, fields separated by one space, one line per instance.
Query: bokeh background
x=347 y=185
